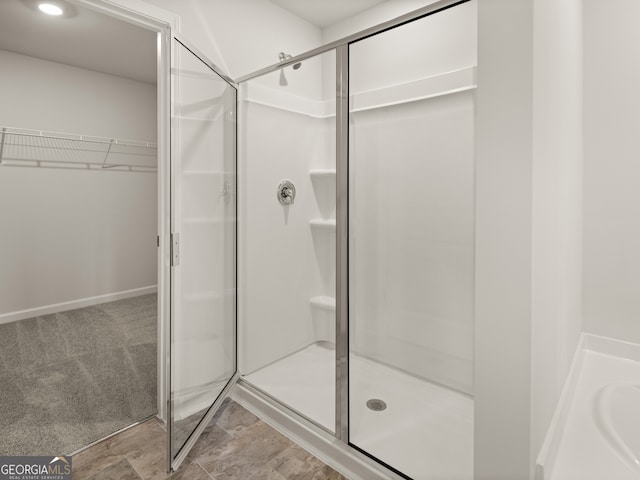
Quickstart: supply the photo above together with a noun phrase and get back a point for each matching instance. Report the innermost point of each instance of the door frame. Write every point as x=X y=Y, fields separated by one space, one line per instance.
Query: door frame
x=165 y=24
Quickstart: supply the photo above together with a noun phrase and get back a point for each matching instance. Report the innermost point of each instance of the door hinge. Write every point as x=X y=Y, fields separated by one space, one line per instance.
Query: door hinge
x=158 y=240
x=175 y=249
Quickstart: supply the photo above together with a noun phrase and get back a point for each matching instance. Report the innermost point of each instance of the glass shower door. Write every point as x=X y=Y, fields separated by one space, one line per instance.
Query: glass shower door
x=203 y=246
x=411 y=245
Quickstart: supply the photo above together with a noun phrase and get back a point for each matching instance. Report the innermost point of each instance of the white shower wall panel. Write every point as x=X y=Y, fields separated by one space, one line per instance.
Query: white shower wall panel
x=412 y=234
x=278 y=267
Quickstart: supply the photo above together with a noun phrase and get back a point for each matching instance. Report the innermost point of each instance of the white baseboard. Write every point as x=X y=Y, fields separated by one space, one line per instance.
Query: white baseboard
x=73 y=304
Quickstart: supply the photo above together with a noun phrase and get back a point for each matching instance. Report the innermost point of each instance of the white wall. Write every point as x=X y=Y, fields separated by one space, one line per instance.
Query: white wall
x=70 y=234
x=611 y=169
x=241 y=37
x=529 y=223
x=503 y=239
x=557 y=205
x=55 y=97
x=373 y=16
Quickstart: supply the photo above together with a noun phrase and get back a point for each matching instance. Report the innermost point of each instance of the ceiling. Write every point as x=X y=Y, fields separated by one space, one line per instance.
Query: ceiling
x=87 y=39
x=83 y=38
x=323 y=13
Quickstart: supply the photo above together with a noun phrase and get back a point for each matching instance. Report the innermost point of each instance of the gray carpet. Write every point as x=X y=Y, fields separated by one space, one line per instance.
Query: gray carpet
x=68 y=379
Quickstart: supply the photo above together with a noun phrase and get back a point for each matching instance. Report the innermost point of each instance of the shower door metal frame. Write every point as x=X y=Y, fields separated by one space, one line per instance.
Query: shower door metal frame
x=342 y=243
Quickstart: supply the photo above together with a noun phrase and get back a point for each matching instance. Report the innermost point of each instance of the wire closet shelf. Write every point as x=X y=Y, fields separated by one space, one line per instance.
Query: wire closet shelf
x=37 y=148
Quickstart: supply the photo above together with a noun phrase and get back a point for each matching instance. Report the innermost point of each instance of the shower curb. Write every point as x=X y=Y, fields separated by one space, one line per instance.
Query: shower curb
x=338 y=455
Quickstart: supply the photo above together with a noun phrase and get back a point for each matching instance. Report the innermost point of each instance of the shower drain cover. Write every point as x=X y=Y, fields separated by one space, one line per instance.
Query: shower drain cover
x=376 y=404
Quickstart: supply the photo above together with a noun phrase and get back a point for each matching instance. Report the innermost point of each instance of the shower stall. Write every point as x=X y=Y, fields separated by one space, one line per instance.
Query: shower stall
x=339 y=204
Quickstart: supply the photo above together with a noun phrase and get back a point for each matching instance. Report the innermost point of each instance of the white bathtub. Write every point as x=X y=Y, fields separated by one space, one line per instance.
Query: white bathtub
x=595 y=433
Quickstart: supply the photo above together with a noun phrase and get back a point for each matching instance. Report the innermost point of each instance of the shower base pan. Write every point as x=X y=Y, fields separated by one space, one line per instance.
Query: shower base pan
x=424 y=430
x=595 y=432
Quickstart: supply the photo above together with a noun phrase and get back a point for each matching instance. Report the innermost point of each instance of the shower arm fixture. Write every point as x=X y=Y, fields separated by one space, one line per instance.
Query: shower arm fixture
x=286 y=56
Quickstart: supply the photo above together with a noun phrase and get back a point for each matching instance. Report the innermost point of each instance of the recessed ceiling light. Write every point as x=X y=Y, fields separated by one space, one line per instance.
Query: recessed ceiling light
x=50 y=9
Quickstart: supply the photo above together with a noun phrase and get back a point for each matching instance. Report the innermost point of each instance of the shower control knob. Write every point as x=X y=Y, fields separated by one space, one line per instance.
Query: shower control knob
x=286 y=192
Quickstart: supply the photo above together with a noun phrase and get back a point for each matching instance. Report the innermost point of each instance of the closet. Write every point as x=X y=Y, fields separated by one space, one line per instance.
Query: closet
x=78 y=204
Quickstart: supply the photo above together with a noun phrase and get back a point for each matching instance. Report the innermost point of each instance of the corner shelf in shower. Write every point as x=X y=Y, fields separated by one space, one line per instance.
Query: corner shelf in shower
x=325 y=303
x=38 y=148
x=321 y=224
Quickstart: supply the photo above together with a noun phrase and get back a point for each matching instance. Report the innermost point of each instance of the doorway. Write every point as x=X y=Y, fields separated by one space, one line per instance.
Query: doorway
x=79 y=182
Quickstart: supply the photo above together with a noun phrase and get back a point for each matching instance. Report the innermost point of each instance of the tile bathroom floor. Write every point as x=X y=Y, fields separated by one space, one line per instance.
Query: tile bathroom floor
x=235 y=446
